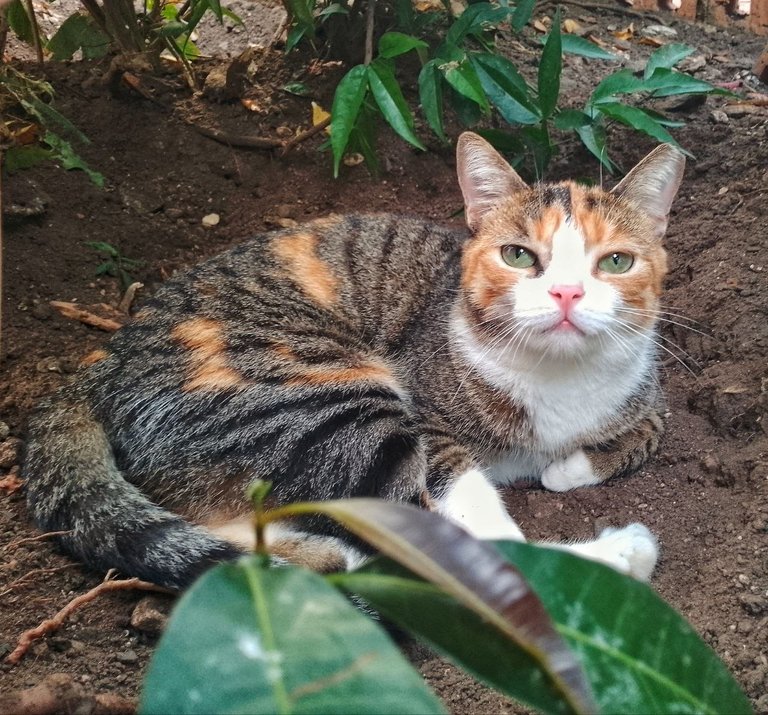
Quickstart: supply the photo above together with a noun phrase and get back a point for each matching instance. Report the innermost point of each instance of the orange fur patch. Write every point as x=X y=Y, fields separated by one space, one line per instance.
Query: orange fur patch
x=209 y=367
x=298 y=253
x=94 y=357
x=311 y=376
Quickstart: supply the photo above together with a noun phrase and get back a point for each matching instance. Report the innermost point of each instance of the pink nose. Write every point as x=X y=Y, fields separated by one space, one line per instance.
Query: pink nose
x=566 y=296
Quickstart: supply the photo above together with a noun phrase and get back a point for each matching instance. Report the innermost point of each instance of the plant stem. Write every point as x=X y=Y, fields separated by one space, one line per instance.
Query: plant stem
x=2 y=156
x=3 y=30
x=35 y=32
x=370 y=12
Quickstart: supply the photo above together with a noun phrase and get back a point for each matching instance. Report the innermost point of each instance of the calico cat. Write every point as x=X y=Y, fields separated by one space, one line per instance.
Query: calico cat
x=372 y=355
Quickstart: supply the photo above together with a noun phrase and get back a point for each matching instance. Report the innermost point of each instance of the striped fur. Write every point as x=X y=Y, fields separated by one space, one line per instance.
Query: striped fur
x=336 y=360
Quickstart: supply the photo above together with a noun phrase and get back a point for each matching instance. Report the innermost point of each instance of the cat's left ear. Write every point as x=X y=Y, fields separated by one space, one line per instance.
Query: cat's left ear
x=484 y=176
x=653 y=184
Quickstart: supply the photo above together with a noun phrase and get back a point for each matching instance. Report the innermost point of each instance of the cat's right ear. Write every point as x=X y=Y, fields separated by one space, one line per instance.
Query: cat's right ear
x=484 y=176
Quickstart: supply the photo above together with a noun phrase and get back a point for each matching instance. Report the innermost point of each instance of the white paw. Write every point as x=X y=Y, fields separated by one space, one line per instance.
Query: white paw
x=632 y=550
x=569 y=473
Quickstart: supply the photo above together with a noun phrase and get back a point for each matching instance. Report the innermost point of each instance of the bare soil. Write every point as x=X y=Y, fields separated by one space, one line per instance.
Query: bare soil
x=705 y=495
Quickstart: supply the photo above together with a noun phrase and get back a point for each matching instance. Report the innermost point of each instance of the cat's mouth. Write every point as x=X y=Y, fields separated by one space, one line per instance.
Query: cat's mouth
x=566 y=326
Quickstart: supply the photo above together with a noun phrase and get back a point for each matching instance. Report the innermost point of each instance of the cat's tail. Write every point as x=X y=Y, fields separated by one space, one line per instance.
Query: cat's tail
x=74 y=486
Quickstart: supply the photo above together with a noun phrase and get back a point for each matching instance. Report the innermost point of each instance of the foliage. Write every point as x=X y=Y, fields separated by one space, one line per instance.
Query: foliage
x=49 y=136
x=116 y=264
x=464 y=71
x=559 y=633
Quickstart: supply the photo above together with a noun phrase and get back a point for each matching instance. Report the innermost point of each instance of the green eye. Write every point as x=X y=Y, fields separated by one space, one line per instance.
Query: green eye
x=616 y=263
x=518 y=257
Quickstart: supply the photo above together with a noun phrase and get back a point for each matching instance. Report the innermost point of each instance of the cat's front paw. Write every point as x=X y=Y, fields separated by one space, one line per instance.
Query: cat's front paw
x=633 y=550
x=569 y=473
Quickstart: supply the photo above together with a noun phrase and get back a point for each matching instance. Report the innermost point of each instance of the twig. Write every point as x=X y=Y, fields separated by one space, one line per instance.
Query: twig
x=2 y=156
x=369 y=15
x=30 y=539
x=238 y=140
x=128 y=297
x=617 y=9
x=71 y=310
x=35 y=572
x=35 y=32
x=303 y=136
x=3 y=29
x=52 y=624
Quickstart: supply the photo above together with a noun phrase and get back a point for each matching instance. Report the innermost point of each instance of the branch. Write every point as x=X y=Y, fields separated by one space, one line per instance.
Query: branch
x=71 y=310
x=52 y=624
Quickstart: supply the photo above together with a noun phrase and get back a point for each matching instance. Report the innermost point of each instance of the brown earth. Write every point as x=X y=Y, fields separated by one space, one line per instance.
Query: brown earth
x=704 y=495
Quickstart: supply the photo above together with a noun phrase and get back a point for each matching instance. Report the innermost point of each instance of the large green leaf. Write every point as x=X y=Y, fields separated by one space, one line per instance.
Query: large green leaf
x=63 y=152
x=471 y=571
x=248 y=638
x=474 y=20
x=522 y=14
x=550 y=67
x=463 y=78
x=637 y=119
x=621 y=82
x=393 y=44
x=431 y=97
x=388 y=95
x=505 y=88
x=347 y=101
x=575 y=45
x=641 y=655
x=666 y=83
x=593 y=137
x=667 y=56
x=460 y=634
x=19 y=22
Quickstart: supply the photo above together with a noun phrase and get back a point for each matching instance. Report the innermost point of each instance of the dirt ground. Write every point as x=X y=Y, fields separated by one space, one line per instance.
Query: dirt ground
x=705 y=495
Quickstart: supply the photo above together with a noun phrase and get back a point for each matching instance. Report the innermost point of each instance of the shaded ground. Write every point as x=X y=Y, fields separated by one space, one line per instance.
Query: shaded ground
x=705 y=495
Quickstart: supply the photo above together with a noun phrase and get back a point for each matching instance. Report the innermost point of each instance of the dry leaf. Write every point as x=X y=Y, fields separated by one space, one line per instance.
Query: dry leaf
x=251 y=105
x=626 y=33
x=571 y=27
x=735 y=390
x=319 y=115
x=542 y=25
x=27 y=134
x=652 y=41
x=353 y=159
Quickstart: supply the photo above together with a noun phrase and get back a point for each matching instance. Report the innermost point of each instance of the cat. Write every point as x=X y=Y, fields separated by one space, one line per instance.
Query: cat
x=372 y=355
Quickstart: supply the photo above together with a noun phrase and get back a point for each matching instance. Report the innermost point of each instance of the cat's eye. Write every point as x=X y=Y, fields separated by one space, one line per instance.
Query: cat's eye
x=616 y=263
x=518 y=257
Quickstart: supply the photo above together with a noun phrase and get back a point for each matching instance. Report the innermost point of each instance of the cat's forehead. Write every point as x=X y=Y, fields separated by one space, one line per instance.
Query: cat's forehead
x=571 y=212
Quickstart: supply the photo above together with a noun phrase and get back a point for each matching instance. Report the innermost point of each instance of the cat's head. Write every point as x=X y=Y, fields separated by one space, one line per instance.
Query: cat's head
x=561 y=268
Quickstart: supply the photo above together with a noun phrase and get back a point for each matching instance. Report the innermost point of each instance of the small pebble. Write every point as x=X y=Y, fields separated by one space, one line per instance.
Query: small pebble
x=127 y=657
x=718 y=116
x=659 y=31
x=211 y=220
x=5 y=430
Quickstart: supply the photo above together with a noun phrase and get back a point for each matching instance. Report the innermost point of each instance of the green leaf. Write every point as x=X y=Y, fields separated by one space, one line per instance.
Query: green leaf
x=298 y=88
x=575 y=45
x=540 y=148
x=458 y=633
x=667 y=56
x=19 y=22
x=295 y=35
x=641 y=655
x=522 y=14
x=247 y=638
x=505 y=142
x=107 y=268
x=470 y=570
x=334 y=9
x=571 y=119
x=666 y=83
x=51 y=118
x=215 y=6
x=637 y=119
x=593 y=138
x=393 y=44
x=103 y=247
x=468 y=112
x=363 y=137
x=347 y=101
x=431 y=97
x=621 y=82
x=62 y=152
x=474 y=20
x=505 y=88
x=18 y=158
x=388 y=95
x=550 y=66
x=463 y=78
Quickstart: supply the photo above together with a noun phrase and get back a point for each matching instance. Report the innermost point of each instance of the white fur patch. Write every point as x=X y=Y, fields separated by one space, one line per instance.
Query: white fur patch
x=569 y=473
x=475 y=505
x=633 y=550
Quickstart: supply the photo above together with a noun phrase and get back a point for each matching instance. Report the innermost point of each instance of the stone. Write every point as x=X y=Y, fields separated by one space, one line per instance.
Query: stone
x=718 y=116
x=10 y=451
x=127 y=657
x=211 y=220
x=5 y=430
x=151 y=614
x=659 y=32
